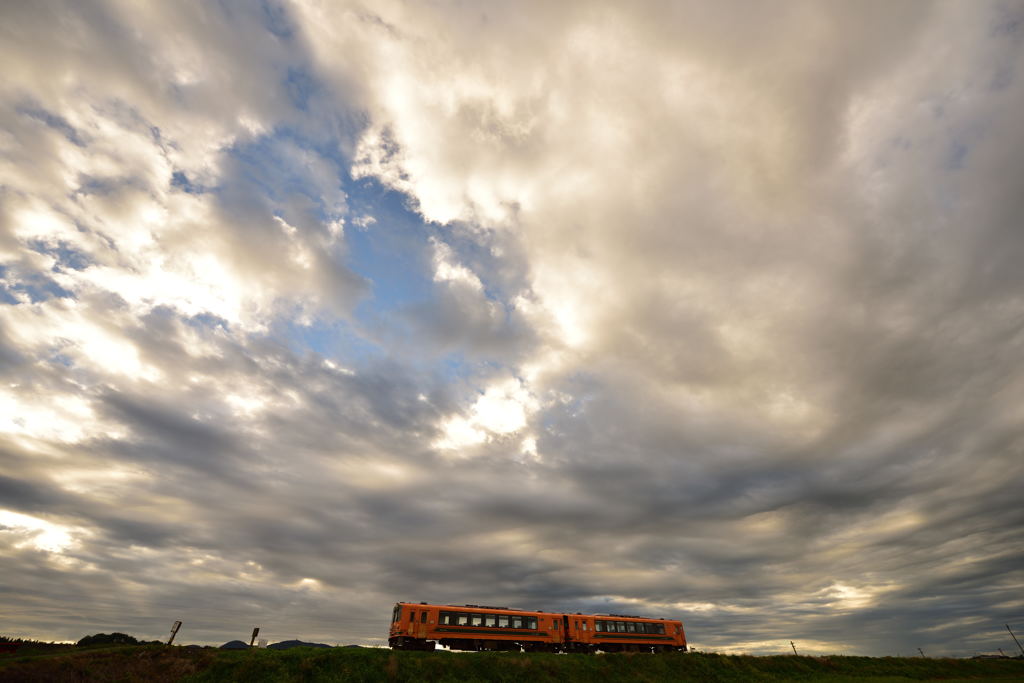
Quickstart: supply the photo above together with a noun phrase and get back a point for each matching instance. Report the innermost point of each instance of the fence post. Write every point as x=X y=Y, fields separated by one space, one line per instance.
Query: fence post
x=1015 y=639
x=174 y=632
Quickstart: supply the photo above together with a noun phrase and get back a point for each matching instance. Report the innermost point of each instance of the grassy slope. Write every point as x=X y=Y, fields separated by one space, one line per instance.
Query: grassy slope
x=157 y=663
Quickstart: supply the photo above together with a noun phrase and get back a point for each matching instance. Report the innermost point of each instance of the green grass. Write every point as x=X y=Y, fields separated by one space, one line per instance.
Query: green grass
x=160 y=663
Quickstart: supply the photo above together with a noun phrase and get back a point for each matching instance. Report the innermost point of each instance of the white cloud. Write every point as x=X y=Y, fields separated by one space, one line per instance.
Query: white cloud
x=39 y=533
x=502 y=409
x=448 y=269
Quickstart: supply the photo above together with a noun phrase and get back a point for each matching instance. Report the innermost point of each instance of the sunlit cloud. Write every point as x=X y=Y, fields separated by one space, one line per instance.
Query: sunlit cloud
x=38 y=533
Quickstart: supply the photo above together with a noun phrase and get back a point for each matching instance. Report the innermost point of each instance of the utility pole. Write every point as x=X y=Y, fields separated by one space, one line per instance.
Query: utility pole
x=174 y=632
x=1015 y=639
x=921 y=651
x=255 y=632
x=794 y=648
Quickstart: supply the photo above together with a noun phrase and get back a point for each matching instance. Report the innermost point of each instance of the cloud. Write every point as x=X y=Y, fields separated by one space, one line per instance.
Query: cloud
x=700 y=312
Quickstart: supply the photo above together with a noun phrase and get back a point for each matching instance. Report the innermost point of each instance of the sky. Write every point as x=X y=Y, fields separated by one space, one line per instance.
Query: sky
x=698 y=310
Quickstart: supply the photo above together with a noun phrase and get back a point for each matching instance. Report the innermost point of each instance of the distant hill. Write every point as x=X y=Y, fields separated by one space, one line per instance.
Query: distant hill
x=289 y=644
x=234 y=645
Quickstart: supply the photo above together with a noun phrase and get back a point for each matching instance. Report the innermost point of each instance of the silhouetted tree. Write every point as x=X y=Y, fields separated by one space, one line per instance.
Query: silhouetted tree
x=108 y=639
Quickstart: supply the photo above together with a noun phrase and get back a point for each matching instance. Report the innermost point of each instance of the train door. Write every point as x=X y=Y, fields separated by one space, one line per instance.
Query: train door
x=417 y=623
x=421 y=624
x=565 y=629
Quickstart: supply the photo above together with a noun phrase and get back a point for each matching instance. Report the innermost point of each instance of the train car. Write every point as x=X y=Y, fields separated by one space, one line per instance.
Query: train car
x=421 y=626
x=622 y=633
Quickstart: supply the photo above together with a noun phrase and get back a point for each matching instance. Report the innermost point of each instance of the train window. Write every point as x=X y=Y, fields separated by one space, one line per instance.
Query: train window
x=476 y=620
x=491 y=620
x=531 y=622
x=584 y=626
x=660 y=628
x=631 y=626
x=620 y=626
x=423 y=617
x=599 y=626
x=517 y=622
x=463 y=619
x=648 y=628
x=395 y=613
x=502 y=621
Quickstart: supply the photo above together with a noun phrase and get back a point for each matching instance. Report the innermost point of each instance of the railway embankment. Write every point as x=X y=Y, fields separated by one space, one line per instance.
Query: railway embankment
x=161 y=663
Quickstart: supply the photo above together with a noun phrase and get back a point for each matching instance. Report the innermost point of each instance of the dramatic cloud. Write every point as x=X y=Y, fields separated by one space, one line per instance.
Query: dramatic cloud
x=703 y=310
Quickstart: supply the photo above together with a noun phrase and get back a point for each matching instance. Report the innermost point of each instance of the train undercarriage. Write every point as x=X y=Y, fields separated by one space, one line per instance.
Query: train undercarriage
x=485 y=645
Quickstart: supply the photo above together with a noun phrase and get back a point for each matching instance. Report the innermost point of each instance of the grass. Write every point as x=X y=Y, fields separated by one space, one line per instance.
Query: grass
x=160 y=663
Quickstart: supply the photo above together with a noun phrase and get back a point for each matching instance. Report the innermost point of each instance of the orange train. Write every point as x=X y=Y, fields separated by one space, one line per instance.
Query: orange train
x=419 y=626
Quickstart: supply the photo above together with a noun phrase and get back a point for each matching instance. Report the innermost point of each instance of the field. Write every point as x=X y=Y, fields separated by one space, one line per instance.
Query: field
x=161 y=663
